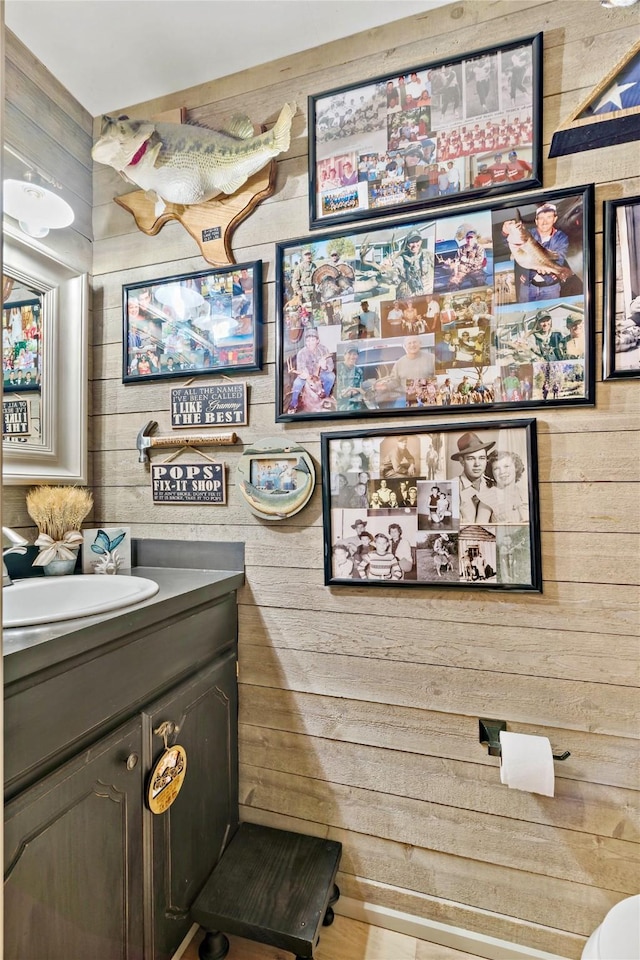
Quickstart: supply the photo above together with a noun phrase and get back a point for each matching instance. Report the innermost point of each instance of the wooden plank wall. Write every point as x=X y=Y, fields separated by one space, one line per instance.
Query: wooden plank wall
x=47 y=127
x=358 y=708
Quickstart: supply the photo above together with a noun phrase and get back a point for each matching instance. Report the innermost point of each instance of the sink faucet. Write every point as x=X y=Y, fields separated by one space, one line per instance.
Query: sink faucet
x=12 y=542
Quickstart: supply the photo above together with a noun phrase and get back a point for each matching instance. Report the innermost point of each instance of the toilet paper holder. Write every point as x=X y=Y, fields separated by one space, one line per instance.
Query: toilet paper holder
x=490 y=737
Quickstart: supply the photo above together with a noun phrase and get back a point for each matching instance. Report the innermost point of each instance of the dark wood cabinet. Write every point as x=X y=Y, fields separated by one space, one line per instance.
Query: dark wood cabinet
x=89 y=870
x=73 y=858
x=188 y=839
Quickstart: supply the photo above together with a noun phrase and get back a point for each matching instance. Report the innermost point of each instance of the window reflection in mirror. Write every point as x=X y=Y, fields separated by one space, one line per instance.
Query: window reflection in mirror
x=22 y=353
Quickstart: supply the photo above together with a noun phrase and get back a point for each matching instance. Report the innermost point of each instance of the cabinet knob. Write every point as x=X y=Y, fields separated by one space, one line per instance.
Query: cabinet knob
x=132 y=761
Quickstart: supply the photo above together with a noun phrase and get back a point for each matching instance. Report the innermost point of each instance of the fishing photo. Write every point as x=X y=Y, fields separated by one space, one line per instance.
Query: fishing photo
x=275 y=481
x=199 y=323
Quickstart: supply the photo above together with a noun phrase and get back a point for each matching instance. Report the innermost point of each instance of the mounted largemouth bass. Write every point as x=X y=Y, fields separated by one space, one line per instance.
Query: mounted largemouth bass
x=186 y=164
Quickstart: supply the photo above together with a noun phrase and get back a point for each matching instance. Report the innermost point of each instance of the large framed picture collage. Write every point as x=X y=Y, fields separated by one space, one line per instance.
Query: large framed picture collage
x=468 y=126
x=465 y=308
x=485 y=307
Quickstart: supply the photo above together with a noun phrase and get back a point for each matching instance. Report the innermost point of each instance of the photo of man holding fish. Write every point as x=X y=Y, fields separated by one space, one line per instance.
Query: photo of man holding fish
x=539 y=256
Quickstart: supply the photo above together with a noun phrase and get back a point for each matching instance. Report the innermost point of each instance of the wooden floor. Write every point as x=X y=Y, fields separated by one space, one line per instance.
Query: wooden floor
x=344 y=940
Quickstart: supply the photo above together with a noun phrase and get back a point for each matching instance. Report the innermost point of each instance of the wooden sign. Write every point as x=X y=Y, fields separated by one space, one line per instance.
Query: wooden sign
x=221 y=403
x=188 y=483
x=15 y=418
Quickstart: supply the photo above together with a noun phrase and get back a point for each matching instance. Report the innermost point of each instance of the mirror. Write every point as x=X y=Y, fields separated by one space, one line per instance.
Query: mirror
x=45 y=334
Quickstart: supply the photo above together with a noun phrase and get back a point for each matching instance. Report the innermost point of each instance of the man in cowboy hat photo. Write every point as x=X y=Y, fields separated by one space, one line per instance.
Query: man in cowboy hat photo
x=360 y=544
x=476 y=497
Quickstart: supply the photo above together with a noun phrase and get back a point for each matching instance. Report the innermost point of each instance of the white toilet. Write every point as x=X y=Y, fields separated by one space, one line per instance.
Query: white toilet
x=618 y=936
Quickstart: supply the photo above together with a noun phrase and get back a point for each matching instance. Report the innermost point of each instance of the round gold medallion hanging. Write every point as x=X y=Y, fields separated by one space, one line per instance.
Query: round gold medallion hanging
x=167 y=775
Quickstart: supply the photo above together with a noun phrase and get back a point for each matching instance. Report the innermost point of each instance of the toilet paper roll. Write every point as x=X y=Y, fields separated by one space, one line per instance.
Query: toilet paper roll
x=527 y=763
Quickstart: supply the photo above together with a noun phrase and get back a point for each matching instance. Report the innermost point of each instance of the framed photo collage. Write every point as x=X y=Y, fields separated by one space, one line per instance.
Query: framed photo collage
x=437 y=132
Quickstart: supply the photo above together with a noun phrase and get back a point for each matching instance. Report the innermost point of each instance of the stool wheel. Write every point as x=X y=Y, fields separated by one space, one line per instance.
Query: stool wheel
x=328 y=917
x=335 y=895
x=215 y=946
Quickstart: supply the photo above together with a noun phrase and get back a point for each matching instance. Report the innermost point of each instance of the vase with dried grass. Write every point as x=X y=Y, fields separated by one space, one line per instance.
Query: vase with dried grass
x=58 y=513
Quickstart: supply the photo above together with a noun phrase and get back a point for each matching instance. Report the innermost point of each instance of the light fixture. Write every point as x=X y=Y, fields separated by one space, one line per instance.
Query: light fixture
x=36 y=208
x=617 y=3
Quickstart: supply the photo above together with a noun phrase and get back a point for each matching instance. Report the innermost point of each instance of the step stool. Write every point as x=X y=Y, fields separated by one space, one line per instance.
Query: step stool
x=272 y=886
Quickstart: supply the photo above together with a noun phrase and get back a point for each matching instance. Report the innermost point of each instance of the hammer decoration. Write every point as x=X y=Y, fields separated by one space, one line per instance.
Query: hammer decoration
x=145 y=441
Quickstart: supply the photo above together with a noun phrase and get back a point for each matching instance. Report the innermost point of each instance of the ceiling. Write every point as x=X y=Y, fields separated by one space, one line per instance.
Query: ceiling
x=111 y=54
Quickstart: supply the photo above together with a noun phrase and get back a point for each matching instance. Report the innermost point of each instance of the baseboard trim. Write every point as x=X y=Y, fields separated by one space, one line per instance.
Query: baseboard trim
x=478 y=944
x=186 y=941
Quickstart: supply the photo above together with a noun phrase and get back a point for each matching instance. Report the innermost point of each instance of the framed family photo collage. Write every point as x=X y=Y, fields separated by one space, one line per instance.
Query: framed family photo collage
x=456 y=129
x=446 y=506
x=194 y=324
x=485 y=307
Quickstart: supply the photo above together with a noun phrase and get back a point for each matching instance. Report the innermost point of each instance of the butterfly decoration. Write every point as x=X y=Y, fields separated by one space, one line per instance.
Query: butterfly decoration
x=103 y=545
x=110 y=561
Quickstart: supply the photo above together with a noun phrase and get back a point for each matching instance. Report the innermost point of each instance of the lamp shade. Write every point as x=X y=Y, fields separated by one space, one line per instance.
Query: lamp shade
x=37 y=209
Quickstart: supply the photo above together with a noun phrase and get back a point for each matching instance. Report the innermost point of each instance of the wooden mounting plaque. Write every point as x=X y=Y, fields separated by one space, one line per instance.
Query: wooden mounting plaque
x=212 y=223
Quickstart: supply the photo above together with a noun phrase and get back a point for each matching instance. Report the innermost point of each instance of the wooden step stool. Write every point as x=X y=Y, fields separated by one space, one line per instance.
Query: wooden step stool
x=271 y=886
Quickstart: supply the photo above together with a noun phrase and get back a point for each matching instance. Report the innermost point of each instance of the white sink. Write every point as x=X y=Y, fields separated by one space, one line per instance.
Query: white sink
x=27 y=603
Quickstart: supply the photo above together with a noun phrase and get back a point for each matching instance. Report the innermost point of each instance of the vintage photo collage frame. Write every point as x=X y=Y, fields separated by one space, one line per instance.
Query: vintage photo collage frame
x=450 y=506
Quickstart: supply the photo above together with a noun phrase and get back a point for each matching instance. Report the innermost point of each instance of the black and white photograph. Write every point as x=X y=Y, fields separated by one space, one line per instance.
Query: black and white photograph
x=621 y=324
x=454 y=506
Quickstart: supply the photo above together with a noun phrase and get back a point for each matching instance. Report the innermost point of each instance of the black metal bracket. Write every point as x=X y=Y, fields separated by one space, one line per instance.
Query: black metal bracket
x=489 y=736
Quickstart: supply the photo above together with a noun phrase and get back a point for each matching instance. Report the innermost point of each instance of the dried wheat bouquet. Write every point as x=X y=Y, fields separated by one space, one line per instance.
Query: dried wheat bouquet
x=58 y=513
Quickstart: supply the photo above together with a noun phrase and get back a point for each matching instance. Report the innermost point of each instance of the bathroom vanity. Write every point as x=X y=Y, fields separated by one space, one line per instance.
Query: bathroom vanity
x=89 y=870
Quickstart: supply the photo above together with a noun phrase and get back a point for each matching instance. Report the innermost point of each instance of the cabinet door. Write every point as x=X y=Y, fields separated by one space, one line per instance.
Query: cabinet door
x=189 y=837
x=73 y=858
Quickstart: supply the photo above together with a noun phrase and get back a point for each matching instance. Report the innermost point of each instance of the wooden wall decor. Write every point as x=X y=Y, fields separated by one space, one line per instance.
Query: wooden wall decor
x=212 y=223
x=597 y=122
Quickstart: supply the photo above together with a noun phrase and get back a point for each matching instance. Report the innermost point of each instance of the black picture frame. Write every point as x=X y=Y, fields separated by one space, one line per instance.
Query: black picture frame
x=193 y=324
x=462 y=496
x=378 y=146
x=621 y=308
x=482 y=343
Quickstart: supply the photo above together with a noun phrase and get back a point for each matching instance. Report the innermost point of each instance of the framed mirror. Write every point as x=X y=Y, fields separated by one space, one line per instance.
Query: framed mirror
x=45 y=356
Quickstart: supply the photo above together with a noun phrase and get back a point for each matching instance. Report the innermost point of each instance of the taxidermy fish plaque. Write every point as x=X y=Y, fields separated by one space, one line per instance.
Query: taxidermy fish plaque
x=181 y=166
